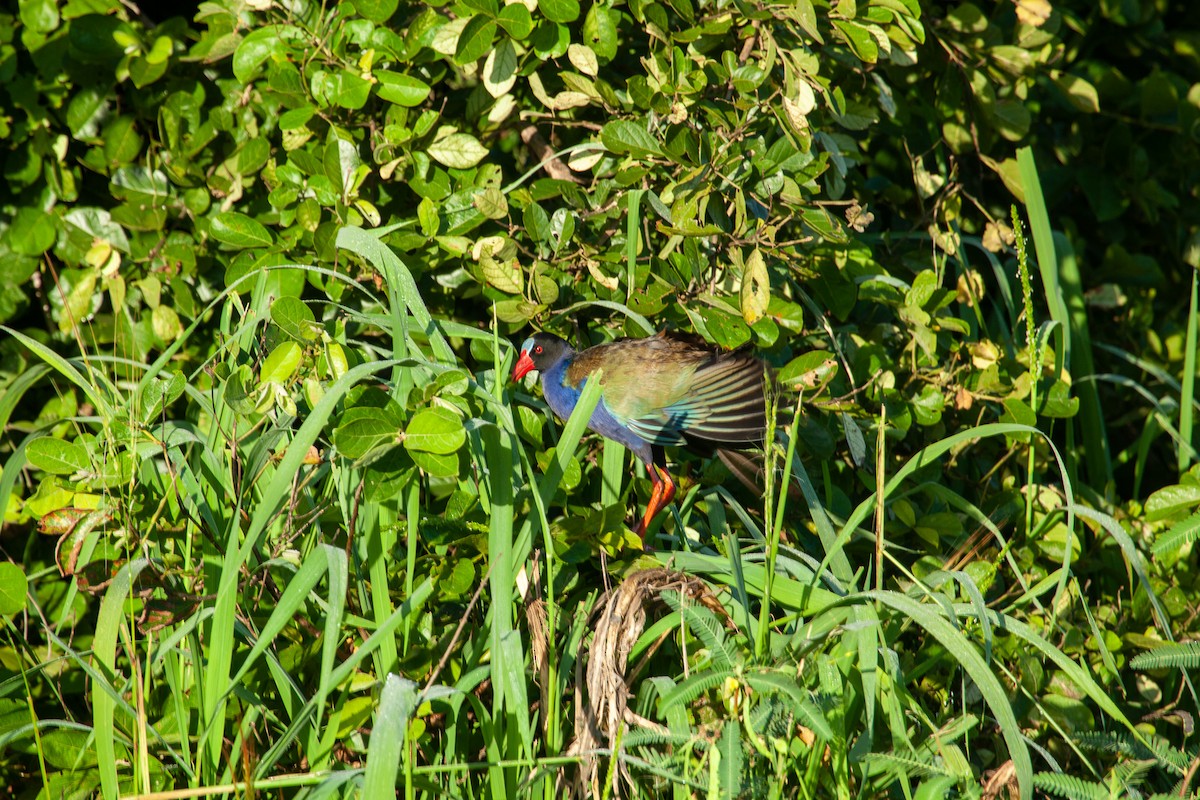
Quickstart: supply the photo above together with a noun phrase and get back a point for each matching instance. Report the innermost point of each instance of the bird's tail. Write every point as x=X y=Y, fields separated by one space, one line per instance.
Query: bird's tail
x=749 y=469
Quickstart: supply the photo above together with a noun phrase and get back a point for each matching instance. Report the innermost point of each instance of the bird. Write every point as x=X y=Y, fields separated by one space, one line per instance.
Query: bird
x=664 y=390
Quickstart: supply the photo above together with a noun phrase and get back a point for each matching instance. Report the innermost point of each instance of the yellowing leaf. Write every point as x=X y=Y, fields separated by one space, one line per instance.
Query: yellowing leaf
x=583 y=58
x=507 y=276
x=458 y=150
x=1034 y=12
x=756 y=288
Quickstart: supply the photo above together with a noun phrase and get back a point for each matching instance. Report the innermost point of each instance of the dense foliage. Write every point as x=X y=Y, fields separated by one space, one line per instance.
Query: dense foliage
x=275 y=518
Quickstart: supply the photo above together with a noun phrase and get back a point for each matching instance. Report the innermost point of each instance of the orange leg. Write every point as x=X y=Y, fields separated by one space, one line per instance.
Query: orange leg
x=662 y=494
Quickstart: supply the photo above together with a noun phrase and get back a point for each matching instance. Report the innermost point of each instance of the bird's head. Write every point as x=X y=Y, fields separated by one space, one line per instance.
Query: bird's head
x=539 y=353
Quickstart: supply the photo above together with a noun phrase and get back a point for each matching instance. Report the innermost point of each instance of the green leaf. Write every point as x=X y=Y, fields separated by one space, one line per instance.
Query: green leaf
x=1181 y=533
x=458 y=580
x=560 y=10
x=32 y=231
x=491 y=203
x=1081 y=93
x=861 y=42
x=403 y=90
x=239 y=230
x=295 y=318
x=1057 y=402
x=93 y=38
x=1018 y=411
x=506 y=274
x=377 y=10
x=623 y=136
x=160 y=392
x=68 y=749
x=803 y=12
x=726 y=329
x=437 y=465
x=536 y=222
x=475 y=40
x=600 y=31
x=97 y=223
x=435 y=430
x=808 y=371
x=122 y=142
x=458 y=150
x=260 y=45
x=362 y=430
x=343 y=88
x=164 y=321
x=500 y=69
x=516 y=21
x=562 y=228
x=135 y=181
x=58 y=457
x=1011 y=118
x=13 y=588
x=281 y=364
x=1172 y=500
x=296 y=118
x=40 y=16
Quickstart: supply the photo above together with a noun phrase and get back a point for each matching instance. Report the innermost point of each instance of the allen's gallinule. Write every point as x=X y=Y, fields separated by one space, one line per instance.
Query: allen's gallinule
x=659 y=391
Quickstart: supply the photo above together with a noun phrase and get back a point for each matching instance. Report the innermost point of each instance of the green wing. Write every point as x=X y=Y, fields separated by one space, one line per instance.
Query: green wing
x=668 y=390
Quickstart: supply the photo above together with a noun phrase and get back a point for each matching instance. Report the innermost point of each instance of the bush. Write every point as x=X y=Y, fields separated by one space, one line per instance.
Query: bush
x=260 y=271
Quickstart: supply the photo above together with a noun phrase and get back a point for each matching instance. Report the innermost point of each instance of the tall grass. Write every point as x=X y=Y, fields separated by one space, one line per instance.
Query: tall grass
x=318 y=641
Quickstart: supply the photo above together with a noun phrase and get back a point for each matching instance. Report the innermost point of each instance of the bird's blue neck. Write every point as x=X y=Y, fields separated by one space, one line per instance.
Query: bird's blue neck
x=560 y=396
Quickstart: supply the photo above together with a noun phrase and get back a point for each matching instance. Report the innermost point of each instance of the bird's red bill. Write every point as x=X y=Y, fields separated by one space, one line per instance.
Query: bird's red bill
x=523 y=367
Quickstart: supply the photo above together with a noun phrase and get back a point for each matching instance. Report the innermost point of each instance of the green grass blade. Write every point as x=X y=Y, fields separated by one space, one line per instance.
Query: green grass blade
x=343 y=672
x=65 y=368
x=272 y=498
x=632 y=228
x=290 y=603
x=104 y=649
x=1188 y=393
x=641 y=321
x=1064 y=297
x=993 y=692
x=388 y=736
x=1077 y=674
x=804 y=597
x=338 y=572
x=612 y=472
x=380 y=256
x=10 y=398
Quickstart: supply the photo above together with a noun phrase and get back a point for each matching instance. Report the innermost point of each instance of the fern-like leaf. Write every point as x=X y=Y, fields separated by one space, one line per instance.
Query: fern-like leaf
x=1069 y=787
x=705 y=626
x=1184 y=655
x=1181 y=533
x=911 y=766
x=797 y=699
x=693 y=687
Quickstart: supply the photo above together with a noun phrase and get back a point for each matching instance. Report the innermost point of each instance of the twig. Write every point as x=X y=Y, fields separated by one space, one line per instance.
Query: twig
x=462 y=623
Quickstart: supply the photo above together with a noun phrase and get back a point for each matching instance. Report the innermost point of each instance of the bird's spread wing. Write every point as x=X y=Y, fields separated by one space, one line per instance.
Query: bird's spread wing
x=722 y=402
x=669 y=391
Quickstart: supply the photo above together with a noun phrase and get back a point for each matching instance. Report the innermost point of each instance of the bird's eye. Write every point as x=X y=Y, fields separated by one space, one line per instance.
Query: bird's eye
x=538 y=349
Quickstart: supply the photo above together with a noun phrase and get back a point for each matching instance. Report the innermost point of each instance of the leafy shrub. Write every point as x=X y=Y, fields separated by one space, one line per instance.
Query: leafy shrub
x=260 y=271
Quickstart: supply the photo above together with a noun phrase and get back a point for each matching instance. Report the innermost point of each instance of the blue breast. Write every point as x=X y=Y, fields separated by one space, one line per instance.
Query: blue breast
x=562 y=398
